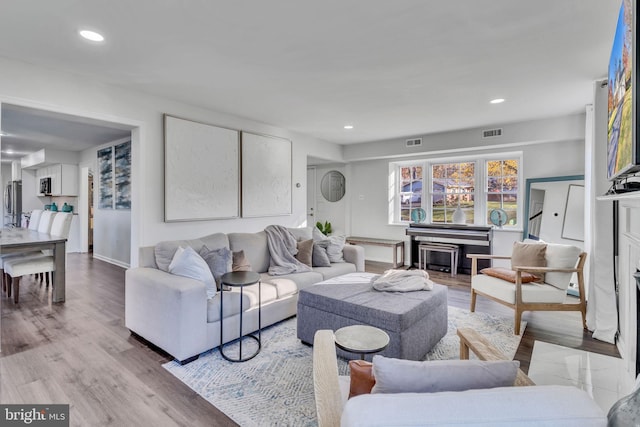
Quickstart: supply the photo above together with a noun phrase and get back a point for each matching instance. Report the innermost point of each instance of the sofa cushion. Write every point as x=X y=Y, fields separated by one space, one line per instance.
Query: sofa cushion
x=305 y=251
x=231 y=305
x=164 y=251
x=186 y=262
x=561 y=256
x=409 y=376
x=302 y=233
x=319 y=257
x=336 y=269
x=284 y=287
x=215 y=241
x=268 y=293
x=255 y=248
x=302 y=280
x=542 y=405
x=218 y=260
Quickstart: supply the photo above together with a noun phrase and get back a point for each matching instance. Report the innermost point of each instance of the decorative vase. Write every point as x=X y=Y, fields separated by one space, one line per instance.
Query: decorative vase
x=626 y=411
x=459 y=217
x=54 y=207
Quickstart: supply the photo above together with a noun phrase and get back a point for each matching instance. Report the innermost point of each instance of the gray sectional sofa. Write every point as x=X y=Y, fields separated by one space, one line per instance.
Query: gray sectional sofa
x=173 y=313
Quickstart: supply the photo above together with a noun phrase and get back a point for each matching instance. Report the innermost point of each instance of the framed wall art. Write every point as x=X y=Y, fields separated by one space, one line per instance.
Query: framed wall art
x=266 y=175
x=201 y=175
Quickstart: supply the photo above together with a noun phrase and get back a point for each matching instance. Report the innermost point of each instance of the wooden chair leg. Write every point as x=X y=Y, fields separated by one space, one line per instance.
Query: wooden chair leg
x=9 y=281
x=518 y=320
x=47 y=275
x=472 y=308
x=16 y=289
x=4 y=286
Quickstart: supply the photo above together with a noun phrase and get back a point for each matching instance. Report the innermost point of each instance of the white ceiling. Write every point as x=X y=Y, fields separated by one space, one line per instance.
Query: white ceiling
x=390 y=68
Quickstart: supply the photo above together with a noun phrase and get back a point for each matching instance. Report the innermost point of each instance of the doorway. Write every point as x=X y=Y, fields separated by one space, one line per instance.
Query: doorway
x=90 y=212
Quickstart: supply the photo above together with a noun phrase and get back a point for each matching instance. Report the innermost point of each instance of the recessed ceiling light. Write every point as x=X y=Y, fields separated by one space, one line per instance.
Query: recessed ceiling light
x=497 y=101
x=91 y=35
x=9 y=151
x=348 y=126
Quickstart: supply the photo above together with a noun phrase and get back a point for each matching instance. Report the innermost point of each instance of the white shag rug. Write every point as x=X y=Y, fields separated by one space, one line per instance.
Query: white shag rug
x=276 y=387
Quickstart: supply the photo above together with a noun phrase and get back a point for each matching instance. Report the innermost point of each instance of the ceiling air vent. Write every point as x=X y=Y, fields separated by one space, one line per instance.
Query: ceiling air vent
x=415 y=142
x=491 y=133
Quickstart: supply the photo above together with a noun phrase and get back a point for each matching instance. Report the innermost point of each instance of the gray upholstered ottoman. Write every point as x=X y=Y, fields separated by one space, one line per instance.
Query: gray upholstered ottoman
x=415 y=321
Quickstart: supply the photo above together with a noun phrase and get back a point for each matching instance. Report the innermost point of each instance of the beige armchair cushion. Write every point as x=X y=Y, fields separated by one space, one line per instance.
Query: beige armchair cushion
x=561 y=256
x=506 y=291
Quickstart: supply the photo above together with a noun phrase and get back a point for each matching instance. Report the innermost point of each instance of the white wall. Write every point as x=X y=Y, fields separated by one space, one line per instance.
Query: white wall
x=334 y=212
x=368 y=180
x=23 y=84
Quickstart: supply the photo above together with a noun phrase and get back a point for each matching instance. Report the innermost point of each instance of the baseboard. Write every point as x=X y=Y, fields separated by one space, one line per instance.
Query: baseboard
x=112 y=261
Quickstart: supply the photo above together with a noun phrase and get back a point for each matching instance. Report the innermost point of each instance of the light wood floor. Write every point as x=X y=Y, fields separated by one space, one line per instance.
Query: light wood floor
x=81 y=353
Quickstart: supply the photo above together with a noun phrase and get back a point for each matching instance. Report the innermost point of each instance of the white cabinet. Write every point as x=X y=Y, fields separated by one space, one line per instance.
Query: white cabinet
x=64 y=179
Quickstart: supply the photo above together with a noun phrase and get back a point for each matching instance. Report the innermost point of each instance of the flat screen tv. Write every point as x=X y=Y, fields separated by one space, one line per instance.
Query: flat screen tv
x=623 y=154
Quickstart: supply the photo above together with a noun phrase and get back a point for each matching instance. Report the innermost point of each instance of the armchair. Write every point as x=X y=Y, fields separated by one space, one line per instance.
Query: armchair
x=548 y=294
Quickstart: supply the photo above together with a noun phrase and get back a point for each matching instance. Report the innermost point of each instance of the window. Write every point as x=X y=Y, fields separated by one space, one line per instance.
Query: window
x=410 y=190
x=502 y=188
x=453 y=186
x=477 y=185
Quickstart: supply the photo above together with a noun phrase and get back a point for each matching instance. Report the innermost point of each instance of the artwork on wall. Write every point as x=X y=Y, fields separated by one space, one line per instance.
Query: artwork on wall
x=105 y=166
x=266 y=175
x=201 y=175
x=122 y=153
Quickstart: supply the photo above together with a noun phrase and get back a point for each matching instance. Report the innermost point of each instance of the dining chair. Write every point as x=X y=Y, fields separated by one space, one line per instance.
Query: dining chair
x=34 y=221
x=37 y=264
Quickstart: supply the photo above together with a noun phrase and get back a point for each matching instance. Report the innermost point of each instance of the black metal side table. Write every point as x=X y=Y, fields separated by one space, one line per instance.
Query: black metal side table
x=241 y=279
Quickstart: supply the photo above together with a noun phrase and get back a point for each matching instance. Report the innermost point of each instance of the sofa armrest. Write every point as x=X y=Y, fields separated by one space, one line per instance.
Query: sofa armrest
x=355 y=255
x=168 y=310
x=326 y=386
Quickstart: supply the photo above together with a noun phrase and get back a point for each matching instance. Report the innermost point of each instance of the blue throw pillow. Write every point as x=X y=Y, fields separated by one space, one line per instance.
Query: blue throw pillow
x=218 y=260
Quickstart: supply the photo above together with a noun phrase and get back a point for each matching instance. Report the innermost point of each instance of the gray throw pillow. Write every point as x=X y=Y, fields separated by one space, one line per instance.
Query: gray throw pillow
x=218 y=260
x=408 y=376
x=320 y=257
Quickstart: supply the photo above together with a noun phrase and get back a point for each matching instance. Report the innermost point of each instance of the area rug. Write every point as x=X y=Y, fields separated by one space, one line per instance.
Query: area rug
x=276 y=387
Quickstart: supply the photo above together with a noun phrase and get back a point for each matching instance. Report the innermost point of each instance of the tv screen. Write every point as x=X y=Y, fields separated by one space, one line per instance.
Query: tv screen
x=622 y=153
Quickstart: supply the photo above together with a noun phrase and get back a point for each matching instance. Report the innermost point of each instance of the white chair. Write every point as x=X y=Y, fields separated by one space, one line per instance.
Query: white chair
x=34 y=221
x=46 y=220
x=39 y=264
x=550 y=294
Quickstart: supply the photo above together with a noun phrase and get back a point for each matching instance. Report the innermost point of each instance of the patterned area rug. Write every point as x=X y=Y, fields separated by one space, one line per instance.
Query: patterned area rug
x=276 y=387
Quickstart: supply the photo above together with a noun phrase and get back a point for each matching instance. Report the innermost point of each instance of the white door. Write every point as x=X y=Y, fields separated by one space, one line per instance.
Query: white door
x=311 y=196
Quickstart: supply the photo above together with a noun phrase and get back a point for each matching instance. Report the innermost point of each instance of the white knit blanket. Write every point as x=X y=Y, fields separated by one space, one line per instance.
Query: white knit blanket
x=403 y=281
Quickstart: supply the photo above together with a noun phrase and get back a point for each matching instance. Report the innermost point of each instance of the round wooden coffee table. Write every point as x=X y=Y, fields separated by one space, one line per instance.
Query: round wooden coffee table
x=361 y=339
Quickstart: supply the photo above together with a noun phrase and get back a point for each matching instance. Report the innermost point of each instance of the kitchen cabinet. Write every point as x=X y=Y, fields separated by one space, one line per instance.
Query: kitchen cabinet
x=64 y=179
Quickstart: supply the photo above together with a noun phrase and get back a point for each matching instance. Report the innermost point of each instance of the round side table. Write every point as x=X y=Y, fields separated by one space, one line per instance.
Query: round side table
x=362 y=339
x=240 y=279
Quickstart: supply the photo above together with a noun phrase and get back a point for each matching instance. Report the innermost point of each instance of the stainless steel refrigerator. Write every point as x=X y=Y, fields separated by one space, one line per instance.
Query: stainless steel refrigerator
x=13 y=204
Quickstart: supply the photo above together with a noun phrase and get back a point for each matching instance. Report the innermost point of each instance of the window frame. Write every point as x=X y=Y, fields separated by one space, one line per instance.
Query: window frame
x=481 y=186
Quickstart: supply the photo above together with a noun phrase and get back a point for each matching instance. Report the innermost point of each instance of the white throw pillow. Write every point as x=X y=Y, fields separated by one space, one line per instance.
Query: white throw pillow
x=187 y=263
x=334 y=249
x=561 y=256
x=408 y=376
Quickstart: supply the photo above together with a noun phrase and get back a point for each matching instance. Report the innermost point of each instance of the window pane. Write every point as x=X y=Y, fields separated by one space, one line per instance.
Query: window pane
x=510 y=184
x=510 y=168
x=512 y=216
x=494 y=185
x=437 y=215
x=439 y=185
x=494 y=168
x=405 y=214
x=438 y=171
x=416 y=172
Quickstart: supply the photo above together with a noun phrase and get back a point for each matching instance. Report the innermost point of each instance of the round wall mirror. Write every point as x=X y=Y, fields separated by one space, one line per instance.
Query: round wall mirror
x=332 y=186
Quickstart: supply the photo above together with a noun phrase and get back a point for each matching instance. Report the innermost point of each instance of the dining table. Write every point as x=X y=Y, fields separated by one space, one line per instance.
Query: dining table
x=20 y=240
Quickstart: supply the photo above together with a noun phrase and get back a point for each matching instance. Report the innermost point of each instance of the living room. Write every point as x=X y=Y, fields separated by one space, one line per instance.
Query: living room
x=551 y=141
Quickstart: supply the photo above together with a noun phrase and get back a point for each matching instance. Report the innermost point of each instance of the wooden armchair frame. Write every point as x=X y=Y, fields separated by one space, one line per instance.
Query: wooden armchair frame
x=520 y=306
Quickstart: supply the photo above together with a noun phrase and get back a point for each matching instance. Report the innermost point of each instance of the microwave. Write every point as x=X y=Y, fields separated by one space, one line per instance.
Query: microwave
x=45 y=185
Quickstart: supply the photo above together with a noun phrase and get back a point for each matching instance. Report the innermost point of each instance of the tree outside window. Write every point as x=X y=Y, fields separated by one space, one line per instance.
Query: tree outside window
x=453 y=186
x=410 y=190
x=502 y=188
